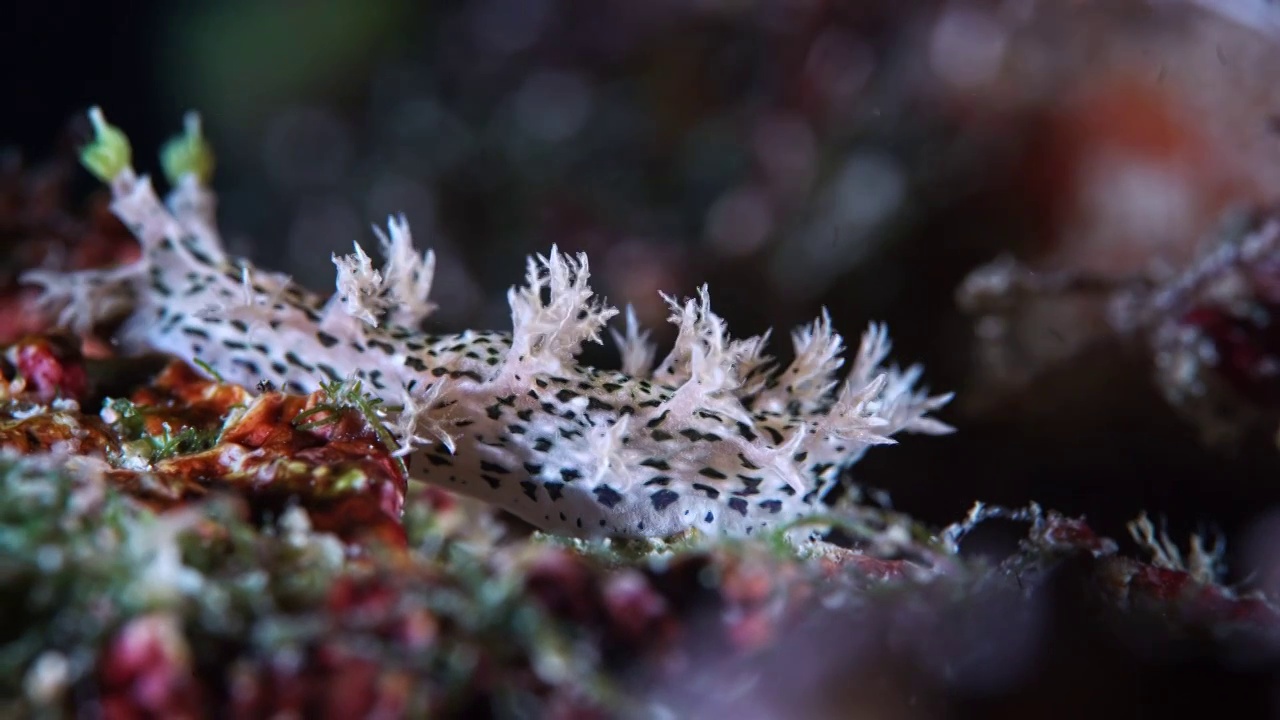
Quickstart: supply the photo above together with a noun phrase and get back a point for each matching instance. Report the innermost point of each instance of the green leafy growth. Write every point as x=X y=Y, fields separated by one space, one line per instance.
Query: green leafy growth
x=109 y=153
x=131 y=419
x=350 y=395
x=188 y=153
x=209 y=371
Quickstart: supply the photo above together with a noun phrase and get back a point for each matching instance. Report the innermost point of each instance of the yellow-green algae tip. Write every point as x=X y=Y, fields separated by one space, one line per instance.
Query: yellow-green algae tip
x=188 y=153
x=109 y=153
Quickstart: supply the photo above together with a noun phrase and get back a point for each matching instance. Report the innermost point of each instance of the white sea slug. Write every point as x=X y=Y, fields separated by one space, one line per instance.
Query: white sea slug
x=715 y=437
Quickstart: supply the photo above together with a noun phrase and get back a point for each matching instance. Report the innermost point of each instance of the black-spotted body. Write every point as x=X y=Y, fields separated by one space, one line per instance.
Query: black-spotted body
x=715 y=438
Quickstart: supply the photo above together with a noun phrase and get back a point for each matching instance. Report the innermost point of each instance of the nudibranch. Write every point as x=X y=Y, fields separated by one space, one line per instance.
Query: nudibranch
x=715 y=437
